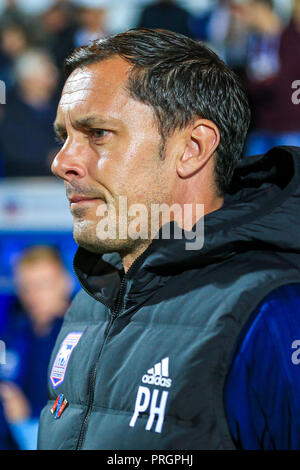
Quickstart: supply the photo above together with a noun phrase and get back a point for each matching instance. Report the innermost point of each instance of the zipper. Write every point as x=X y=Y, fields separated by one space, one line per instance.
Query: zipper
x=91 y=388
x=114 y=314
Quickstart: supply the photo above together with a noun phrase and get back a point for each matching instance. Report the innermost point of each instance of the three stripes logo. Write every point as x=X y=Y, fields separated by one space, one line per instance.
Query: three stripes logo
x=159 y=374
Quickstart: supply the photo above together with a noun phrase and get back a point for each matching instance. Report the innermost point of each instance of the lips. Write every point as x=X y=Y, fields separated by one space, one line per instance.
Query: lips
x=76 y=199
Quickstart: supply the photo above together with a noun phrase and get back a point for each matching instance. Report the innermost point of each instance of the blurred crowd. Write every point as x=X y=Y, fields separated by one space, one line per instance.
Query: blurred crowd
x=259 y=39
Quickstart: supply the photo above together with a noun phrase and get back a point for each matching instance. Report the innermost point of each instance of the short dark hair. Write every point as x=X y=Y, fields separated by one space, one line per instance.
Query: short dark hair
x=38 y=253
x=181 y=79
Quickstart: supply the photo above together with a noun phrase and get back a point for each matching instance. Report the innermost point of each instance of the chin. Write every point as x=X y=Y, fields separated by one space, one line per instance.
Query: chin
x=89 y=241
x=98 y=246
x=85 y=235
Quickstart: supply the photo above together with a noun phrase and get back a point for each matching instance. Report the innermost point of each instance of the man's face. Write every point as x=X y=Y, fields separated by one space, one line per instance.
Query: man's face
x=111 y=148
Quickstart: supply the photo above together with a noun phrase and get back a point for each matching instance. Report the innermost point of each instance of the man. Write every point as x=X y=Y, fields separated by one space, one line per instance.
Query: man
x=158 y=351
x=43 y=288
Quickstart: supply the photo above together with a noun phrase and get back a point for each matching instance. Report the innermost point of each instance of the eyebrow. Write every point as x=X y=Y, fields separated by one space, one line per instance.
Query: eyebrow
x=84 y=123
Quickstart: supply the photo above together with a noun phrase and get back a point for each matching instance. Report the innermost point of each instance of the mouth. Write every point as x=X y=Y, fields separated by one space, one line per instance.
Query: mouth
x=82 y=200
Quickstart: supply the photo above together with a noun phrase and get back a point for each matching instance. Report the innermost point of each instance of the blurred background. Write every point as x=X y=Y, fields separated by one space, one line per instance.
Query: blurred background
x=259 y=39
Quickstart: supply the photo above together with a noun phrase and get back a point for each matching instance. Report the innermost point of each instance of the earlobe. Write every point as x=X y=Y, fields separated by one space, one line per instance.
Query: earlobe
x=202 y=141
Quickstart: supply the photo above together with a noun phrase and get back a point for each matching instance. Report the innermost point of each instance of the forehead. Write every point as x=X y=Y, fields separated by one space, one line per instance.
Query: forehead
x=97 y=87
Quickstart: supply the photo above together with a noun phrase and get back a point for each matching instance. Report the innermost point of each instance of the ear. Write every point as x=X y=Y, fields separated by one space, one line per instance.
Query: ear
x=202 y=139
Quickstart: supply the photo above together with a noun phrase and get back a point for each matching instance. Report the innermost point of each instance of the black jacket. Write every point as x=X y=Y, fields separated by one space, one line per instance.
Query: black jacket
x=142 y=359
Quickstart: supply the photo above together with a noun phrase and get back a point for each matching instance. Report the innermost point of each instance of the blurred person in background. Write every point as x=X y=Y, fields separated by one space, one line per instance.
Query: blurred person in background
x=57 y=28
x=14 y=41
x=67 y=25
x=223 y=33
x=227 y=36
x=27 y=144
x=43 y=288
x=13 y=14
x=166 y=14
x=91 y=18
x=272 y=65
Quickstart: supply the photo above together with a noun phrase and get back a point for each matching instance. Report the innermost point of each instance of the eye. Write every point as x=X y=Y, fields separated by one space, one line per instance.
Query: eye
x=98 y=133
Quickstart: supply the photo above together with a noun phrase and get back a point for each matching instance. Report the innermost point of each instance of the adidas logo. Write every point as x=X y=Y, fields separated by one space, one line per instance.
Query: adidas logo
x=159 y=374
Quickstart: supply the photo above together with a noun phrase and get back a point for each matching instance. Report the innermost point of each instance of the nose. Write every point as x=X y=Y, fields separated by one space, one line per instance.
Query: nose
x=69 y=163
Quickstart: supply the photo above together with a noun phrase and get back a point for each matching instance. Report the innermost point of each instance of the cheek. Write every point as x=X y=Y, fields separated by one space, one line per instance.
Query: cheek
x=130 y=167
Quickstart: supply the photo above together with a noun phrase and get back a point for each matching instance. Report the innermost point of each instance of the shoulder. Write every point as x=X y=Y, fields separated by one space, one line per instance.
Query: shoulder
x=277 y=314
x=263 y=383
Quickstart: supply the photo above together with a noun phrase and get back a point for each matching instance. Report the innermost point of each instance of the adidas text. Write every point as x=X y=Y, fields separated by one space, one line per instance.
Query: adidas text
x=156 y=380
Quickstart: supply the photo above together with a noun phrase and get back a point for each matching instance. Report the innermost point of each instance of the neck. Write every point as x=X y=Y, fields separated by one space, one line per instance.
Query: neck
x=130 y=258
x=42 y=326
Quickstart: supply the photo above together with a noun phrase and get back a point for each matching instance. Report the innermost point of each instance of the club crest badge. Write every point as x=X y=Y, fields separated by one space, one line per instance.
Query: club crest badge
x=61 y=360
